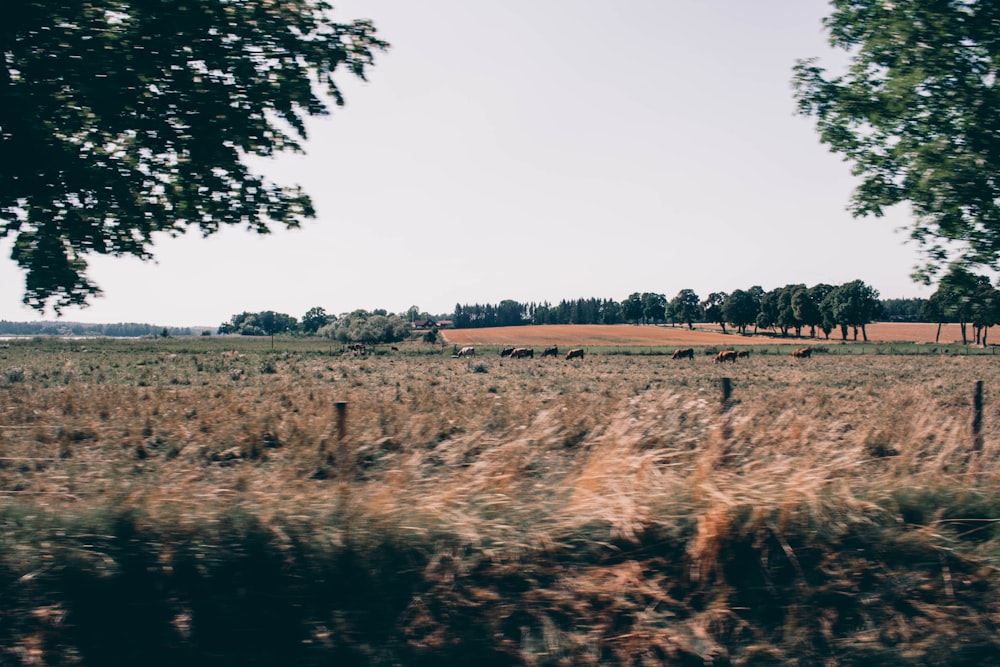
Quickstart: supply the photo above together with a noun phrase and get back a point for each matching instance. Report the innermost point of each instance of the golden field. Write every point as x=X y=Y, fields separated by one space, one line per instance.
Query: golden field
x=574 y=335
x=517 y=512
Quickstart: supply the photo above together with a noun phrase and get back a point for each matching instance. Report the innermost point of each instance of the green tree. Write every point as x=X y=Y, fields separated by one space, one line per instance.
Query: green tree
x=654 y=307
x=787 y=317
x=854 y=305
x=315 y=319
x=819 y=293
x=740 y=309
x=965 y=297
x=712 y=307
x=807 y=310
x=933 y=310
x=122 y=119
x=916 y=114
x=632 y=308
x=686 y=307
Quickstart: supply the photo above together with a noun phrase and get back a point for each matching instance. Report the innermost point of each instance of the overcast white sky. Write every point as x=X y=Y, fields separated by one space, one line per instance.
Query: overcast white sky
x=539 y=150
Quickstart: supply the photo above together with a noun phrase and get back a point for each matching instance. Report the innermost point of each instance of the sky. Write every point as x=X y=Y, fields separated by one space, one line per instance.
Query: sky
x=538 y=150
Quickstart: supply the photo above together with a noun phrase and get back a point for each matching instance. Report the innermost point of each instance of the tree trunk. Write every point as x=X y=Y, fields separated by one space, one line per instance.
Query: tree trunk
x=843 y=331
x=965 y=339
x=855 y=333
x=937 y=337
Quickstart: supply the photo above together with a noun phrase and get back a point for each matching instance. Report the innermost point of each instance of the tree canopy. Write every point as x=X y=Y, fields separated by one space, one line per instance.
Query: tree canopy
x=121 y=119
x=917 y=112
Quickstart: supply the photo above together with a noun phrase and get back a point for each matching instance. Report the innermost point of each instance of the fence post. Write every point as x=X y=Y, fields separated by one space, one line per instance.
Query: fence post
x=341 y=419
x=977 y=418
x=727 y=392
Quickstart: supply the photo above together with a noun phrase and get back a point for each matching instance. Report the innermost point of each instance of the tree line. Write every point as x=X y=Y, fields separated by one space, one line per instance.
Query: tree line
x=962 y=297
x=117 y=330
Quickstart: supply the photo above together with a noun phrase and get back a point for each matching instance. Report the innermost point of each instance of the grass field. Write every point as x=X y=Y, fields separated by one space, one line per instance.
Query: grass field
x=191 y=500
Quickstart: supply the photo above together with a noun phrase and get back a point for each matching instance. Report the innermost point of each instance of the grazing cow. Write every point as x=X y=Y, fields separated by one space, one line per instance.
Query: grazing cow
x=467 y=352
x=743 y=354
x=686 y=353
x=802 y=353
x=726 y=355
x=550 y=351
x=522 y=352
x=394 y=348
x=506 y=351
x=575 y=354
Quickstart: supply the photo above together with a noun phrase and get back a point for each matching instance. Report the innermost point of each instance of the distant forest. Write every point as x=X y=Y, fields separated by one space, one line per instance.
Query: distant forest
x=119 y=330
x=608 y=311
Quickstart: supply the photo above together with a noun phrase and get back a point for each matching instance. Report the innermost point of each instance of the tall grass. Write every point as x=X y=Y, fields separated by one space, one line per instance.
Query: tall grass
x=191 y=500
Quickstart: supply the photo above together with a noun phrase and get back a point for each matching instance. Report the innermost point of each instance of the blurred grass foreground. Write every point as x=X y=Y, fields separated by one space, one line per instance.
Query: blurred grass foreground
x=192 y=502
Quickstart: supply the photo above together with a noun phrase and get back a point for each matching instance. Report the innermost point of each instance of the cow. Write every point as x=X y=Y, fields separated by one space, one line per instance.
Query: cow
x=726 y=355
x=575 y=354
x=743 y=354
x=506 y=352
x=550 y=351
x=802 y=353
x=686 y=353
x=467 y=352
x=522 y=352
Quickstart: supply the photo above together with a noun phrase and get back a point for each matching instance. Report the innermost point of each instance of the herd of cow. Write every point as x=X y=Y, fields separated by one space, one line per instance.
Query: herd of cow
x=684 y=353
x=522 y=352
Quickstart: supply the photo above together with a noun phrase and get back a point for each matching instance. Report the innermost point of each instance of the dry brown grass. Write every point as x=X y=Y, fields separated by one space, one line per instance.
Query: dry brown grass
x=521 y=457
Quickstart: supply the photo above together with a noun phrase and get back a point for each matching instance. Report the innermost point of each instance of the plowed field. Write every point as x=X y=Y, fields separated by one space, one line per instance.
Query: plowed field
x=628 y=334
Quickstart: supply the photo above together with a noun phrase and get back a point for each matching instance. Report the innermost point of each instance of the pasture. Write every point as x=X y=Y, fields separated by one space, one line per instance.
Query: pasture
x=185 y=499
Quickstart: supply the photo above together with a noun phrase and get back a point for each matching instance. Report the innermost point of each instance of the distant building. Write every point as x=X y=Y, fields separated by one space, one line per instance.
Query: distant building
x=431 y=324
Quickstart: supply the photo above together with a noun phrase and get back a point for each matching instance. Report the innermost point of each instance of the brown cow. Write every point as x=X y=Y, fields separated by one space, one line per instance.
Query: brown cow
x=743 y=354
x=802 y=353
x=522 y=352
x=726 y=355
x=575 y=354
x=550 y=351
x=506 y=351
x=686 y=353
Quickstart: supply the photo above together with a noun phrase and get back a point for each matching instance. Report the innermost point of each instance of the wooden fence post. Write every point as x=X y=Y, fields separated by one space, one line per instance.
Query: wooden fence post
x=977 y=418
x=341 y=419
x=727 y=392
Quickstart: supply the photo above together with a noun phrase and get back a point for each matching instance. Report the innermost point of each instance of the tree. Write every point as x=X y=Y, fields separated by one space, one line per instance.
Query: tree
x=740 y=309
x=712 y=307
x=965 y=297
x=933 y=310
x=361 y=326
x=820 y=293
x=122 y=119
x=314 y=320
x=654 y=307
x=807 y=310
x=686 y=307
x=916 y=114
x=854 y=305
x=632 y=308
x=787 y=317
x=264 y=323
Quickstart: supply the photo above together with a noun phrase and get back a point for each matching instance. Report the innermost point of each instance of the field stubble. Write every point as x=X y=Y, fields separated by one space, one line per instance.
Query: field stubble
x=630 y=513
